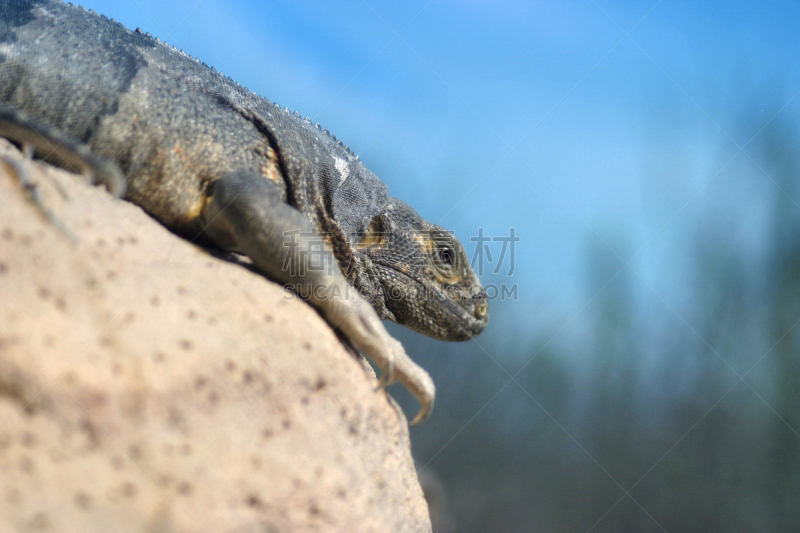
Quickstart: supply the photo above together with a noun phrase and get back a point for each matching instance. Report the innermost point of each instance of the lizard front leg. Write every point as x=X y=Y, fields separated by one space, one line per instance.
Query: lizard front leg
x=52 y=143
x=244 y=212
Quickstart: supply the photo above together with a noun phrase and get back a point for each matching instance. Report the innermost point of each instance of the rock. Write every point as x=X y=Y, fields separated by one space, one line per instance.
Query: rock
x=146 y=385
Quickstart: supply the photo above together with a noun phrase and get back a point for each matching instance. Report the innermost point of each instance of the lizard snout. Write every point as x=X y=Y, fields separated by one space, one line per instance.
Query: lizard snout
x=480 y=302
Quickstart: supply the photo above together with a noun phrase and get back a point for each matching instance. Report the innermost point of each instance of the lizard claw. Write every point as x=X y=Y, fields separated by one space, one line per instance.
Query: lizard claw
x=399 y=366
x=416 y=380
x=33 y=192
x=358 y=321
x=423 y=414
x=387 y=374
x=425 y=392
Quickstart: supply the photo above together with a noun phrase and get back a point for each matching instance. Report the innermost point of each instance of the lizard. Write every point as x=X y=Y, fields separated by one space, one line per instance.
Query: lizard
x=226 y=168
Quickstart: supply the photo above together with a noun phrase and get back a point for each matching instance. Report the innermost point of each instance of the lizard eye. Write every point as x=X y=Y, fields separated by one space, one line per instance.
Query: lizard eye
x=374 y=235
x=447 y=263
x=446 y=255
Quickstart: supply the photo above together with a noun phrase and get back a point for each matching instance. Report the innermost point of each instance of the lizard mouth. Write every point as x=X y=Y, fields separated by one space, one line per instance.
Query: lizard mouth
x=426 y=308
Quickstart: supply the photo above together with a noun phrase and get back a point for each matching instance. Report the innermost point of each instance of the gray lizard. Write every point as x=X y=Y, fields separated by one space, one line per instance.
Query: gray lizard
x=223 y=167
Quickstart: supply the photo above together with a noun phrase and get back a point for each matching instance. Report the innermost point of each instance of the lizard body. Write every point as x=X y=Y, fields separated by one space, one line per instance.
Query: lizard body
x=220 y=165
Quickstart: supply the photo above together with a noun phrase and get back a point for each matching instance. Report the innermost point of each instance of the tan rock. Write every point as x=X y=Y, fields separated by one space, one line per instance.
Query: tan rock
x=146 y=385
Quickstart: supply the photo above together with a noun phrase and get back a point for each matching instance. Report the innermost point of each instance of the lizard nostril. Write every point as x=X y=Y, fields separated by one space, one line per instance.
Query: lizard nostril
x=481 y=308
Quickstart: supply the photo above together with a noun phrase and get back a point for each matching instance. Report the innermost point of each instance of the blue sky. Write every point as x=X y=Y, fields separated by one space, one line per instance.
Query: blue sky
x=568 y=121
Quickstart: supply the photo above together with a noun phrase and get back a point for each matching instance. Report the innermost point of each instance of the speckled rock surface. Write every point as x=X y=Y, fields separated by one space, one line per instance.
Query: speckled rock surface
x=148 y=386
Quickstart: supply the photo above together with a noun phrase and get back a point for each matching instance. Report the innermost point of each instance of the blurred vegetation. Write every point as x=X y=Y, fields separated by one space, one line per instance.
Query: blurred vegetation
x=681 y=414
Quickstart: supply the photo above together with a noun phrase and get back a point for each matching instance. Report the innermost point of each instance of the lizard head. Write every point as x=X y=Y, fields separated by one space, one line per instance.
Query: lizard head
x=426 y=280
